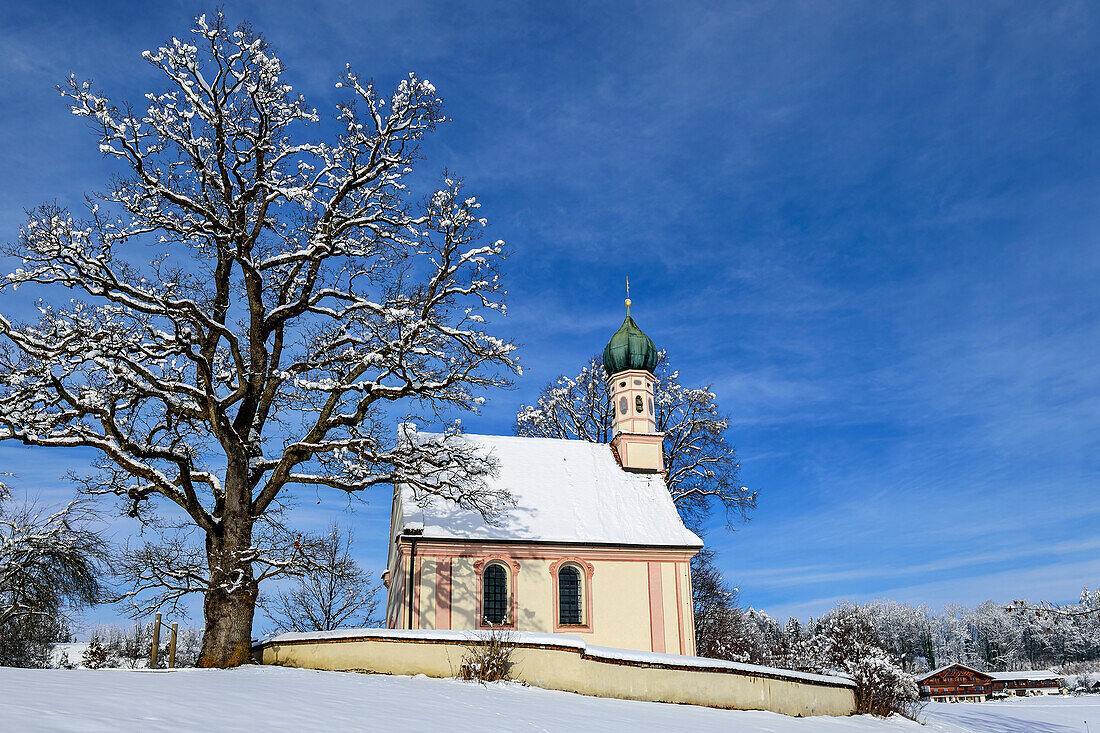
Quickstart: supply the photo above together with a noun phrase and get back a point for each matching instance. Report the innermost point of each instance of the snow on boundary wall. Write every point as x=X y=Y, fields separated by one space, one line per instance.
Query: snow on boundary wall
x=560 y=662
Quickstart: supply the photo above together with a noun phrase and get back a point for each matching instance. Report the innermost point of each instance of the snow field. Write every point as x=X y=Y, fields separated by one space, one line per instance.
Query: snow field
x=281 y=699
x=1048 y=714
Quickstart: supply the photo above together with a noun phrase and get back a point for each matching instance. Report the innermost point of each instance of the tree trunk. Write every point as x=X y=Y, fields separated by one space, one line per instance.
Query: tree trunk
x=230 y=603
x=227 y=640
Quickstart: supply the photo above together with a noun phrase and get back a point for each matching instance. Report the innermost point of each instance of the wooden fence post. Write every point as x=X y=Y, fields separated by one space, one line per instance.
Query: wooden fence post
x=172 y=647
x=156 y=641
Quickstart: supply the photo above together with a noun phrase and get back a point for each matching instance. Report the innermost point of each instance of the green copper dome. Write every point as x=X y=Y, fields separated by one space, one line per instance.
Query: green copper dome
x=629 y=348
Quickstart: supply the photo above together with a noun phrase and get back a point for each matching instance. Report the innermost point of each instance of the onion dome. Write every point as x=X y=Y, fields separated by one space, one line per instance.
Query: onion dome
x=629 y=348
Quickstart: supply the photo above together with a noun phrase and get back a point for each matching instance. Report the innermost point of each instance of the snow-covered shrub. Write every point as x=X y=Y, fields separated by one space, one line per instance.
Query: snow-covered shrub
x=883 y=688
x=488 y=657
x=98 y=655
x=848 y=640
x=27 y=641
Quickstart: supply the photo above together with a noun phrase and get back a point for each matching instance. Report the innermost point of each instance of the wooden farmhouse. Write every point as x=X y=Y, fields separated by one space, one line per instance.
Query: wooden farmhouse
x=593 y=546
x=956 y=683
x=1027 y=682
x=960 y=683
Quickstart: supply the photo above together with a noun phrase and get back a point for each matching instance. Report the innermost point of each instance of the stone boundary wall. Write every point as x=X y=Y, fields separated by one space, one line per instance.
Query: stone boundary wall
x=566 y=663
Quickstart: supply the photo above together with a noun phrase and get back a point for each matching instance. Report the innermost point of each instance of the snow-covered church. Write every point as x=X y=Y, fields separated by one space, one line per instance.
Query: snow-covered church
x=593 y=546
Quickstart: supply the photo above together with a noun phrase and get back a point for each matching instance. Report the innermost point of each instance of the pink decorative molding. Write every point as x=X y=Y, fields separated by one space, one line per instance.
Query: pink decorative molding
x=479 y=565
x=587 y=611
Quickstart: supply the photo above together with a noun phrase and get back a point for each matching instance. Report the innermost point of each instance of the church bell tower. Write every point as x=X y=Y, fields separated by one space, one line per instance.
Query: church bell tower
x=629 y=359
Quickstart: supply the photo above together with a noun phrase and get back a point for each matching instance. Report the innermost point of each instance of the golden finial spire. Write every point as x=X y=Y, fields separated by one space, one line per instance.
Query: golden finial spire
x=628 y=293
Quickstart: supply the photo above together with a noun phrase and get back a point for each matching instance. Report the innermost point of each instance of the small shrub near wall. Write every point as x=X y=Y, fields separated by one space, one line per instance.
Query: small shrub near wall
x=489 y=657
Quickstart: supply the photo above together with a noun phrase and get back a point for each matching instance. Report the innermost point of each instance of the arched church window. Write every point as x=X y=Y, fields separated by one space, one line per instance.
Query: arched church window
x=638 y=405
x=623 y=405
x=495 y=589
x=650 y=405
x=569 y=595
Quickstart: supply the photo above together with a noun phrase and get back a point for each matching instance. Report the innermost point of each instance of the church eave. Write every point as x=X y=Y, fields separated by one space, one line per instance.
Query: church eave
x=422 y=539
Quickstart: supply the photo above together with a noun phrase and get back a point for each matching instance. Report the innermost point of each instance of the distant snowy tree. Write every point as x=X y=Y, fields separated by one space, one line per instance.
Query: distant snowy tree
x=333 y=591
x=703 y=471
x=1065 y=632
x=131 y=647
x=989 y=637
x=248 y=297
x=905 y=632
x=51 y=563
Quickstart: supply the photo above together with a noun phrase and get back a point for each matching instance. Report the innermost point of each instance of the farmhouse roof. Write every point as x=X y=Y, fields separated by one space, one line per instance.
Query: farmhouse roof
x=565 y=491
x=1026 y=674
x=935 y=672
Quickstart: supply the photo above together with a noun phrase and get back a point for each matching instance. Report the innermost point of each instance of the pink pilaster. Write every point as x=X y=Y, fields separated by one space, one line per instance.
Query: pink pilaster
x=680 y=608
x=443 y=593
x=656 y=608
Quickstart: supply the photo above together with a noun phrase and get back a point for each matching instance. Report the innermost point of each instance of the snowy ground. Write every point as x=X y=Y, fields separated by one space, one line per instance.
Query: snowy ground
x=277 y=699
x=1053 y=714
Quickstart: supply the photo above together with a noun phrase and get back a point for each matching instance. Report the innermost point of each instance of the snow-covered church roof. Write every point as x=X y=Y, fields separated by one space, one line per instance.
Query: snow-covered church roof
x=564 y=491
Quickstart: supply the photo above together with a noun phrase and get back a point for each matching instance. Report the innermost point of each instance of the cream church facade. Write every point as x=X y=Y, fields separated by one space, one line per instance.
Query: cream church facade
x=593 y=547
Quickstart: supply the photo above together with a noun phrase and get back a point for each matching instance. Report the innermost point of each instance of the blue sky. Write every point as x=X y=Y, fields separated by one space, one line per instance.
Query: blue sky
x=871 y=226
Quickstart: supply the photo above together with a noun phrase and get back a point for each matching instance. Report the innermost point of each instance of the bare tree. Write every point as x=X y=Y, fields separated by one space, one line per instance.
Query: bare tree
x=294 y=290
x=334 y=592
x=702 y=466
x=721 y=629
x=171 y=564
